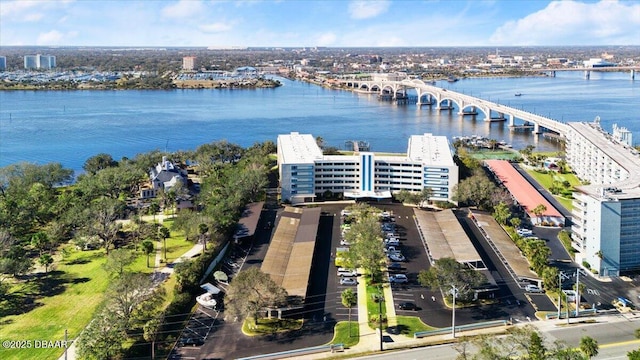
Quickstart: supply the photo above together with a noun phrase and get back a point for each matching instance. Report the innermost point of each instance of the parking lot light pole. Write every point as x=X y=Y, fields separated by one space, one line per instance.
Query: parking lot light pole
x=454 y=294
x=380 y=300
x=559 y=293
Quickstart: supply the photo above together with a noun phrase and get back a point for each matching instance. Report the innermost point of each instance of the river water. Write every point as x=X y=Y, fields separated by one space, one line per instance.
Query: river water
x=70 y=126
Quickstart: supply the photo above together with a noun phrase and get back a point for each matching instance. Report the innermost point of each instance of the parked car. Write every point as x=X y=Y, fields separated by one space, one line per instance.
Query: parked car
x=398 y=279
x=532 y=289
x=344 y=242
x=343 y=272
x=407 y=306
x=191 y=342
x=524 y=232
x=397 y=257
x=392 y=241
x=348 y=281
x=394 y=266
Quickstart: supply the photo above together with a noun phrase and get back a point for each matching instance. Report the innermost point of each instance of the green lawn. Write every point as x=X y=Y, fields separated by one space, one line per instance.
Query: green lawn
x=373 y=307
x=44 y=306
x=341 y=334
x=177 y=246
x=546 y=180
x=411 y=324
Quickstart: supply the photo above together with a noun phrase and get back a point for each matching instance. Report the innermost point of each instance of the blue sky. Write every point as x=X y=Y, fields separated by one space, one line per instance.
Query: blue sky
x=333 y=23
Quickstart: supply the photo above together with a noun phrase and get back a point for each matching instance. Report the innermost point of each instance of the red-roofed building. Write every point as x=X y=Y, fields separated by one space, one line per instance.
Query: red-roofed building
x=524 y=193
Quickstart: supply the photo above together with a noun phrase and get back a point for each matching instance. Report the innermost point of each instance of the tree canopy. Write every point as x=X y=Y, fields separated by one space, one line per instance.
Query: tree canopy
x=252 y=291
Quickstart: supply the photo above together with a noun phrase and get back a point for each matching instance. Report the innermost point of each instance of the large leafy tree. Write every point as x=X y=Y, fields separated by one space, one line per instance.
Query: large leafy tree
x=98 y=162
x=476 y=190
x=100 y=220
x=252 y=291
x=126 y=294
x=447 y=272
x=28 y=196
x=102 y=338
x=365 y=237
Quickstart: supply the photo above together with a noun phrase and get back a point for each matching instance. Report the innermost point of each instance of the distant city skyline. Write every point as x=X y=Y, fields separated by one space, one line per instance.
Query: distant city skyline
x=308 y=23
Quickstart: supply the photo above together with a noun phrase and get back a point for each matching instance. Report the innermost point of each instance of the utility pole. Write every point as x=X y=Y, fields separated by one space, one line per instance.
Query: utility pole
x=577 y=292
x=559 y=293
x=380 y=300
x=454 y=294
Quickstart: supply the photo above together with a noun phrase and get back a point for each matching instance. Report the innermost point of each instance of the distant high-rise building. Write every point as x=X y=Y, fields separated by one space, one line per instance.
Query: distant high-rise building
x=39 y=62
x=189 y=63
x=30 y=62
x=3 y=63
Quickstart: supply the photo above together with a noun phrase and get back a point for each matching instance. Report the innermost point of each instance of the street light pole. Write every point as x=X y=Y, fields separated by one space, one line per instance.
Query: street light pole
x=380 y=300
x=559 y=293
x=454 y=294
x=577 y=292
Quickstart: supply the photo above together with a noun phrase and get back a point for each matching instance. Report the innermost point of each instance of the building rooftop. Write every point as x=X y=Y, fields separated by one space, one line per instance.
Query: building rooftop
x=299 y=148
x=516 y=263
x=619 y=153
x=525 y=194
x=288 y=259
x=445 y=237
x=430 y=149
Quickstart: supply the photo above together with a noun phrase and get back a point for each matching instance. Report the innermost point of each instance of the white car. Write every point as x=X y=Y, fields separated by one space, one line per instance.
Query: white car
x=398 y=279
x=524 y=232
x=344 y=242
x=343 y=272
x=392 y=241
x=533 y=289
x=348 y=281
x=397 y=257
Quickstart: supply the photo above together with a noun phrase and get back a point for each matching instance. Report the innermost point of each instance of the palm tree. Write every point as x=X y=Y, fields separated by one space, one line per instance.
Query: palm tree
x=147 y=248
x=164 y=233
x=539 y=210
x=589 y=346
x=349 y=300
x=203 y=229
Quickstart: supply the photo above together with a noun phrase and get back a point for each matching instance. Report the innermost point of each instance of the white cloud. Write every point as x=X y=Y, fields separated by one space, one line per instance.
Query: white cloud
x=363 y=9
x=183 y=9
x=326 y=39
x=53 y=37
x=574 y=23
x=16 y=7
x=33 y=17
x=215 y=27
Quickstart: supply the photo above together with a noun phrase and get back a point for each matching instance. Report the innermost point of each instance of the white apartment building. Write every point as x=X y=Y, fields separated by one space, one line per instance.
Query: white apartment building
x=305 y=172
x=39 y=62
x=606 y=213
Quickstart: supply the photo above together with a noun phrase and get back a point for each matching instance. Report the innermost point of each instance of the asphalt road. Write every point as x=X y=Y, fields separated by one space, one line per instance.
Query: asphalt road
x=615 y=338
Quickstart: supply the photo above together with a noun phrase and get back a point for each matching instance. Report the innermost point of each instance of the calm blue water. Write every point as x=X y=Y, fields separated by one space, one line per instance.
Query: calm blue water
x=69 y=127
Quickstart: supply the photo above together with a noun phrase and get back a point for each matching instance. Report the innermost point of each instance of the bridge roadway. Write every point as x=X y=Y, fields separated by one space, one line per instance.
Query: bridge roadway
x=443 y=99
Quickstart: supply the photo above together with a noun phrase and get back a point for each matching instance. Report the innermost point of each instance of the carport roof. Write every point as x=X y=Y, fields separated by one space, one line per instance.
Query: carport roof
x=524 y=193
x=506 y=248
x=288 y=259
x=445 y=237
x=249 y=220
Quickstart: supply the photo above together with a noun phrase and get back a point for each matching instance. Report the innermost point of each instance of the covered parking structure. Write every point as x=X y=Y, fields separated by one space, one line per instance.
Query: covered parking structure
x=248 y=222
x=288 y=259
x=524 y=193
x=445 y=237
x=505 y=249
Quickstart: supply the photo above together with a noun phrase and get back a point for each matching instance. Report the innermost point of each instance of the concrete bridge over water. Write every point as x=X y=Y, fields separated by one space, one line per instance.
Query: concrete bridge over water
x=445 y=99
